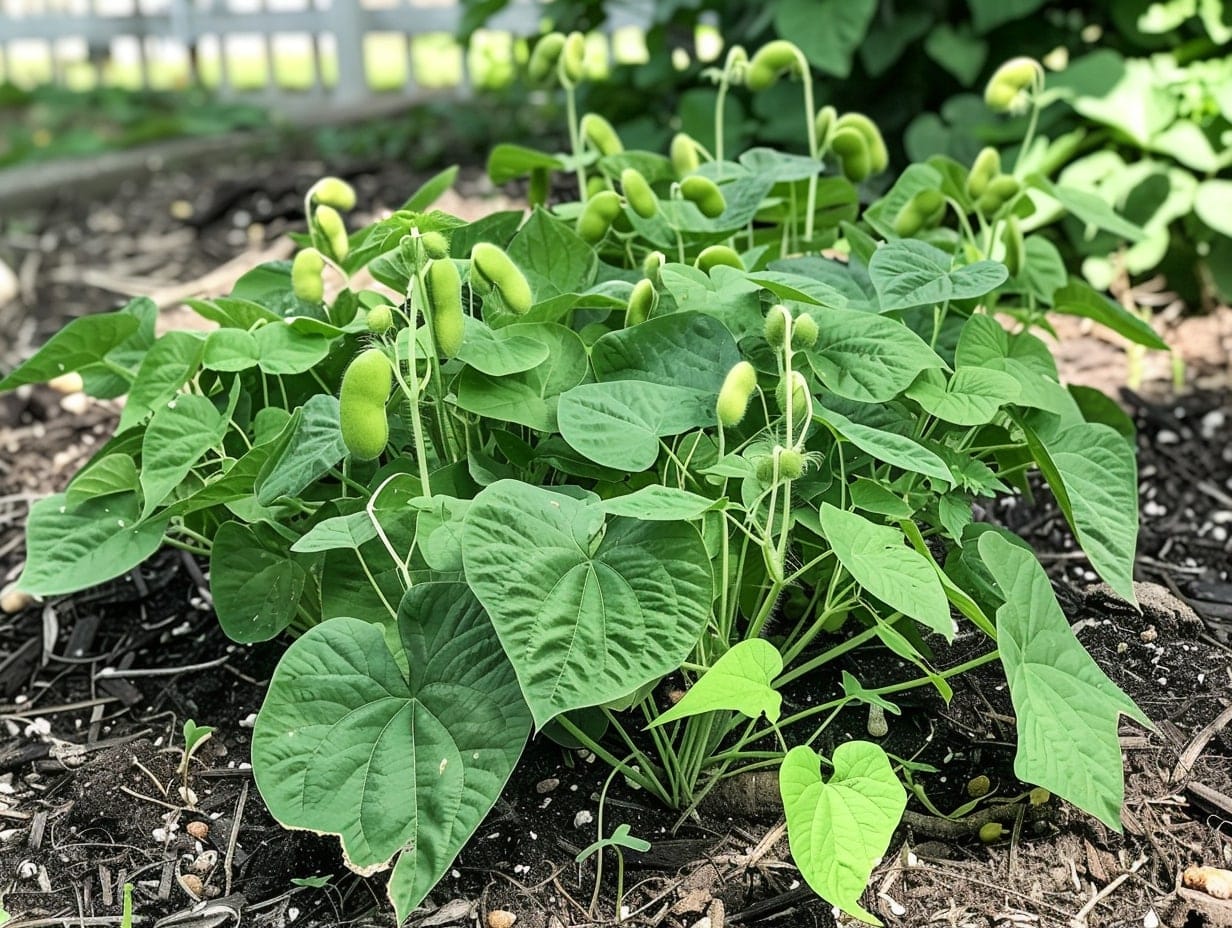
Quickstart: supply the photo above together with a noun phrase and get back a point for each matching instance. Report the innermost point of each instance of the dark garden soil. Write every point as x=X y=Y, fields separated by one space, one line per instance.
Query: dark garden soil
x=95 y=688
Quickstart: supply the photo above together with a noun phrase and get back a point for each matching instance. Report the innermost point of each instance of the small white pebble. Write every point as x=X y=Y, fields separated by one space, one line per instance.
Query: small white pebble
x=249 y=720
x=1150 y=919
x=582 y=818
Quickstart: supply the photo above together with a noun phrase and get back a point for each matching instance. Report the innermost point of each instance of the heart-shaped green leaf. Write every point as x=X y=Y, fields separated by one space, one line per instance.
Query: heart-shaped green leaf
x=838 y=828
x=346 y=744
x=587 y=610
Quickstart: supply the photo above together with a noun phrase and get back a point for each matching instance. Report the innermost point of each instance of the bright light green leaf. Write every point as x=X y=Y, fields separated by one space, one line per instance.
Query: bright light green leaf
x=499 y=352
x=230 y=350
x=351 y=531
x=346 y=744
x=283 y=348
x=880 y=561
x=839 y=828
x=908 y=273
x=1066 y=707
x=586 y=610
x=1213 y=204
x=74 y=548
x=740 y=681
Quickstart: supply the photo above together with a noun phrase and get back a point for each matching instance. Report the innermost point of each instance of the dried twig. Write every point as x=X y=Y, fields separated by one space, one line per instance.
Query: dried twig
x=1080 y=918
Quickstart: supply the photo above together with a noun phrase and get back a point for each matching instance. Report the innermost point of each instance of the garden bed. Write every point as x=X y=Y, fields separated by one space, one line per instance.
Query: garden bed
x=94 y=689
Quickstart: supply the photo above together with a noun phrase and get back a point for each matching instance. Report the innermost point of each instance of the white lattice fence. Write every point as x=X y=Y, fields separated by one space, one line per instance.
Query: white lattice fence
x=346 y=48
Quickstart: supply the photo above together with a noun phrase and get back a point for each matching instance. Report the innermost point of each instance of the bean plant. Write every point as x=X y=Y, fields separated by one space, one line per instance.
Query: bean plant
x=711 y=427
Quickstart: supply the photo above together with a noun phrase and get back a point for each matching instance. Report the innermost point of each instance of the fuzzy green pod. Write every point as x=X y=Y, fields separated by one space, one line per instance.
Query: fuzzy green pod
x=539 y=188
x=763 y=465
x=791 y=464
x=547 y=51
x=922 y=210
x=335 y=192
x=642 y=302
x=361 y=404
x=638 y=193
x=329 y=222
x=705 y=194
x=306 y=279
x=804 y=331
x=769 y=62
x=435 y=245
x=444 y=286
x=852 y=151
x=683 y=154
x=597 y=216
x=496 y=270
x=601 y=134
x=380 y=319
x=878 y=156
x=652 y=264
x=734 y=395
x=799 y=396
x=823 y=125
x=1006 y=89
x=986 y=166
x=715 y=255
x=778 y=318
x=1015 y=246
x=573 y=57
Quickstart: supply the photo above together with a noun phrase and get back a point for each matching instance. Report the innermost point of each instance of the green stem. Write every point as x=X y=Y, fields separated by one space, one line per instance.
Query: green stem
x=827 y=656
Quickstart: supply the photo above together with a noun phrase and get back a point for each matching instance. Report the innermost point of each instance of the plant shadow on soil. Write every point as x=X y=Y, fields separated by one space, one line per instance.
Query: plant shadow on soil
x=88 y=761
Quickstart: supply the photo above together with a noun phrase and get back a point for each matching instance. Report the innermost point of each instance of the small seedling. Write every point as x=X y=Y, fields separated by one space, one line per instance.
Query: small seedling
x=194 y=736
x=619 y=841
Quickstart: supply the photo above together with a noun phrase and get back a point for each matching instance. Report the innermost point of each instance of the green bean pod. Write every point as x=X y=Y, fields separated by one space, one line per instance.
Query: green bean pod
x=734 y=395
x=878 y=156
x=493 y=269
x=306 y=280
x=329 y=222
x=715 y=255
x=642 y=302
x=683 y=154
x=986 y=166
x=705 y=194
x=444 y=285
x=769 y=62
x=638 y=193
x=543 y=58
x=335 y=192
x=597 y=216
x=852 y=151
x=361 y=404
x=601 y=134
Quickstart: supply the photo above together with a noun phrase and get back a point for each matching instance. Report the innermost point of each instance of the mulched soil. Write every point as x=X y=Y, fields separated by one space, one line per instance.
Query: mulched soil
x=95 y=688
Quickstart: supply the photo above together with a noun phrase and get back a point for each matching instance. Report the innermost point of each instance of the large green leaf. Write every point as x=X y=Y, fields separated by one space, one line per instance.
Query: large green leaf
x=178 y=435
x=1066 y=707
x=81 y=342
x=740 y=680
x=878 y=558
x=827 y=31
x=111 y=473
x=1213 y=204
x=499 y=352
x=255 y=583
x=868 y=358
x=733 y=303
x=683 y=349
x=657 y=503
x=1090 y=209
x=839 y=828
x=908 y=273
x=587 y=610
x=528 y=397
x=552 y=256
x=1093 y=474
x=618 y=424
x=346 y=744
x=70 y=548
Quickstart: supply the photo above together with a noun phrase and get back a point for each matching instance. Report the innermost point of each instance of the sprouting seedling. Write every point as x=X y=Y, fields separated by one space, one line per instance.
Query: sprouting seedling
x=126 y=916
x=619 y=840
x=194 y=736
